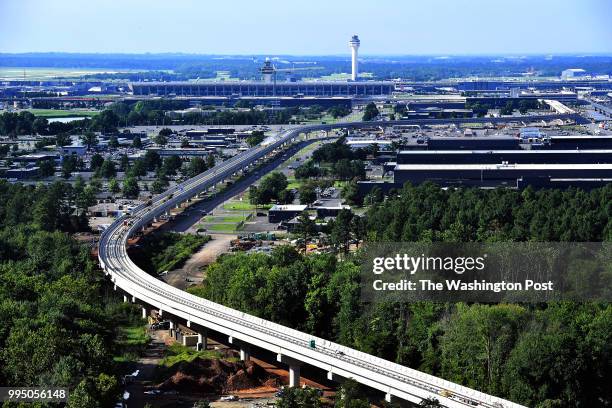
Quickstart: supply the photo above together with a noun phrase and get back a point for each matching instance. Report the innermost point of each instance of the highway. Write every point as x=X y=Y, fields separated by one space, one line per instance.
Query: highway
x=291 y=346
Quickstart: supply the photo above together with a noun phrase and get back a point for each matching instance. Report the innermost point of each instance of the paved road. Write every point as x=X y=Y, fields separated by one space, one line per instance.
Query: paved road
x=192 y=270
x=188 y=219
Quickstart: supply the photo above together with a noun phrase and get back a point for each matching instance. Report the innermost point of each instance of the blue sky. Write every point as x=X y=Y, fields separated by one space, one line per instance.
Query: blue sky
x=313 y=27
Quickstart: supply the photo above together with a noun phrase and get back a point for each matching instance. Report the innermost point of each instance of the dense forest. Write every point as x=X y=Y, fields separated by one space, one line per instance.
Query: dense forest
x=58 y=324
x=544 y=355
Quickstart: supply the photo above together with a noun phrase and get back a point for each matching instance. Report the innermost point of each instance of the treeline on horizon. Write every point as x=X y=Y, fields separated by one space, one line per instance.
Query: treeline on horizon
x=420 y=68
x=540 y=355
x=141 y=113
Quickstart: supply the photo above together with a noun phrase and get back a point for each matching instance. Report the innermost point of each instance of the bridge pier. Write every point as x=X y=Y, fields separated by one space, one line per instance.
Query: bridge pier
x=294 y=375
x=389 y=398
x=202 y=339
x=294 y=369
x=245 y=352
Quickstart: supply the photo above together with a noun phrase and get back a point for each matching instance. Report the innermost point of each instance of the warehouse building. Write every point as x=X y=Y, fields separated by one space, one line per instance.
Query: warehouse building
x=503 y=156
x=286 y=212
x=510 y=175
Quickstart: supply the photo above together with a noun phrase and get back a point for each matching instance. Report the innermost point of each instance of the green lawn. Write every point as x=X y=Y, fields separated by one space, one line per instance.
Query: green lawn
x=221 y=227
x=133 y=336
x=62 y=113
x=225 y=218
x=131 y=341
x=46 y=73
x=177 y=353
x=238 y=206
x=243 y=206
x=293 y=183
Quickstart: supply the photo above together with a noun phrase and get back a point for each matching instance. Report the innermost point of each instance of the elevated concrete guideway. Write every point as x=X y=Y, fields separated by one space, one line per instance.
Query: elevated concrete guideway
x=292 y=347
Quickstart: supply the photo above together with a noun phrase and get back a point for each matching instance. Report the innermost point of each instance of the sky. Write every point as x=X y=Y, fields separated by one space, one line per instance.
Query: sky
x=311 y=27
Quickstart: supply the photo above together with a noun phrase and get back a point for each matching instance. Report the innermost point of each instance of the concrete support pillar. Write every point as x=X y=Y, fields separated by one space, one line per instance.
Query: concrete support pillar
x=115 y=287
x=388 y=397
x=294 y=375
x=145 y=313
x=133 y=299
x=202 y=340
x=245 y=352
x=125 y=299
x=294 y=369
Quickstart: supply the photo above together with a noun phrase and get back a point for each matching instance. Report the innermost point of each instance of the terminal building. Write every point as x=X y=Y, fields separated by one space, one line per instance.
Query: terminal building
x=263 y=89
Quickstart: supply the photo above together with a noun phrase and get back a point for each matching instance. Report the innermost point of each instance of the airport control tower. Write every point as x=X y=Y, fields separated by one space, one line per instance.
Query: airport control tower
x=354 y=44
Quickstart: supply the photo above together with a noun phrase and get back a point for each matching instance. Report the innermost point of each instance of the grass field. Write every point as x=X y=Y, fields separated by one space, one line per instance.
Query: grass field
x=42 y=74
x=61 y=113
x=225 y=219
x=177 y=353
x=222 y=227
x=131 y=340
x=242 y=206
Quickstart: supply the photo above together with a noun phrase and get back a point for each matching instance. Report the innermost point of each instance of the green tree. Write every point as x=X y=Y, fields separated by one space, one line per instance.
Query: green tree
x=137 y=142
x=124 y=163
x=430 y=403
x=370 y=112
x=113 y=186
x=210 y=161
x=308 y=194
x=96 y=162
x=350 y=193
x=130 y=187
x=62 y=139
x=306 y=228
x=159 y=185
x=69 y=164
x=299 y=398
x=171 y=165
x=152 y=160
x=107 y=169
x=89 y=139
x=196 y=166
x=256 y=137
x=341 y=230
x=113 y=142
x=46 y=168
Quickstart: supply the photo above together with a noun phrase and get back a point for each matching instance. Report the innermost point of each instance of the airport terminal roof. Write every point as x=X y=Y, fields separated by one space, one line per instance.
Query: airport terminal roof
x=544 y=151
x=547 y=166
x=278 y=83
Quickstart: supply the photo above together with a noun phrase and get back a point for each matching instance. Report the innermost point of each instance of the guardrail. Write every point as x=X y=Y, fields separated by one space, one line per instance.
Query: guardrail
x=386 y=376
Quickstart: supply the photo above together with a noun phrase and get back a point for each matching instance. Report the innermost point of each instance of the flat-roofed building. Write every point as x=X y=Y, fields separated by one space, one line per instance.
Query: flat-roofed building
x=511 y=175
x=257 y=88
x=285 y=212
x=503 y=156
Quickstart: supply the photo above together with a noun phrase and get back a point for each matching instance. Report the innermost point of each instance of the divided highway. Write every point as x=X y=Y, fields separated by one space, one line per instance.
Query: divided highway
x=291 y=346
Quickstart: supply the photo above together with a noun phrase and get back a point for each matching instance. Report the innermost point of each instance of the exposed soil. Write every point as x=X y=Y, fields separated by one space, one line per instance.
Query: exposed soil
x=217 y=377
